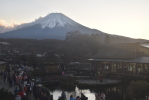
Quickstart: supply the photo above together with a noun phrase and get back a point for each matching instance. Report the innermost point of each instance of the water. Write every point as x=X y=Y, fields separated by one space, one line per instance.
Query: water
x=112 y=93
x=118 y=92
x=56 y=93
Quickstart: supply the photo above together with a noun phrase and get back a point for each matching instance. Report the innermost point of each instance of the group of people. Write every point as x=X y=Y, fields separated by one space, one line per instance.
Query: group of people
x=18 y=78
x=41 y=93
x=63 y=97
x=22 y=94
x=100 y=96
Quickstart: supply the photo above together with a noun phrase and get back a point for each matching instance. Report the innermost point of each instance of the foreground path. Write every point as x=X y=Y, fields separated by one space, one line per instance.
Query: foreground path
x=5 y=85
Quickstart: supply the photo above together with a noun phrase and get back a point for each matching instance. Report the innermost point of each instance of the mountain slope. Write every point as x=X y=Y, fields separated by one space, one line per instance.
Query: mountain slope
x=52 y=26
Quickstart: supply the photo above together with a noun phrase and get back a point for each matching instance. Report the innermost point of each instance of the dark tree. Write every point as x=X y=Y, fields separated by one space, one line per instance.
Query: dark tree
x=5 y=95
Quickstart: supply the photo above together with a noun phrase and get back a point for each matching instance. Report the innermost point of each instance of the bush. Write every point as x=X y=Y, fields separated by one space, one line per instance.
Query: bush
x=6 y=95
x=138 y=89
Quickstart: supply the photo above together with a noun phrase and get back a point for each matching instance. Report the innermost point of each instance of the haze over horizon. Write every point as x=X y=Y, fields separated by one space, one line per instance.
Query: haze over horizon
x=128 y=18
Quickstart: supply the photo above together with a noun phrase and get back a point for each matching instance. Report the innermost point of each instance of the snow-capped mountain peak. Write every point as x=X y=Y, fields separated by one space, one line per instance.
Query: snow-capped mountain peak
x=55 y=20
x=52 y=26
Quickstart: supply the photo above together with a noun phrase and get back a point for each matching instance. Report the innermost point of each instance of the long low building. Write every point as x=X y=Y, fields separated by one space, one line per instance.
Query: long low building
x=137 y=66
x=130 y=59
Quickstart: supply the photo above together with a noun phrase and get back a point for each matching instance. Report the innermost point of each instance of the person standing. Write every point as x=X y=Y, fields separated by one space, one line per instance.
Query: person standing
x=16 y=91
x=24 y=97
x=1 y=74
x=98 y=97
x=18 y=97
x=63 y=95
x=4 y=76
x=21 y=93
x=83 y=97
x=78 y=98
x=71 y=97
x=103 y=96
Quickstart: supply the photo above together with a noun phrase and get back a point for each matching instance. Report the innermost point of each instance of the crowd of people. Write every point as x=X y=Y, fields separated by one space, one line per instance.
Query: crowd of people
x=63 y=97
x=41 y=93
x=99 y=96
x=16 y=75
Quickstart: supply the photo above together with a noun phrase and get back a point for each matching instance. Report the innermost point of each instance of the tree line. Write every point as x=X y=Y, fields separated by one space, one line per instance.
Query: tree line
x=77 y=47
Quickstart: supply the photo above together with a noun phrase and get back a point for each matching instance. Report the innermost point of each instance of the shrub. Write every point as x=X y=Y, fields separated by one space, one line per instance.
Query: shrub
x=138 y=89
x=6 y=95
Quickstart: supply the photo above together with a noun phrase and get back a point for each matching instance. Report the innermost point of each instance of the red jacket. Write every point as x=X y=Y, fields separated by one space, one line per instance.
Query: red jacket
x=21 y=93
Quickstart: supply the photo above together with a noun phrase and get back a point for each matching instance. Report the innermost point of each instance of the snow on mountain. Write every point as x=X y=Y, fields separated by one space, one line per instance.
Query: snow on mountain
x=51 y=21
x=55 y=20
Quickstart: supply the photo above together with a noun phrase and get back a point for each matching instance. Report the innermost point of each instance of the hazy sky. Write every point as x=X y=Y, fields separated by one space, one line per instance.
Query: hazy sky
x=122 y=17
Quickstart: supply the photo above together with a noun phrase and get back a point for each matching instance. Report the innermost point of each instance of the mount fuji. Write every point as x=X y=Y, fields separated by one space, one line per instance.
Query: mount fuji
x=52 y=26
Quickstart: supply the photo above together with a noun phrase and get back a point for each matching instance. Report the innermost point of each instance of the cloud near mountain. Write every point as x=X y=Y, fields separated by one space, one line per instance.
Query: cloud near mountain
x=3 y=22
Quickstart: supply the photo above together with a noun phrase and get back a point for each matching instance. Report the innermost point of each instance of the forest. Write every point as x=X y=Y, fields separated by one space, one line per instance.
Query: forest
x=76 y=47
